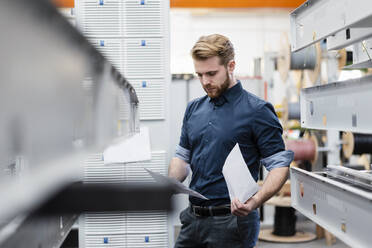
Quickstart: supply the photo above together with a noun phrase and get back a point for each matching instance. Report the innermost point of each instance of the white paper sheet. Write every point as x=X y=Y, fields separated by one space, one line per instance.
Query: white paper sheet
x=238 y=178
x=129 y=149
x=175 y=184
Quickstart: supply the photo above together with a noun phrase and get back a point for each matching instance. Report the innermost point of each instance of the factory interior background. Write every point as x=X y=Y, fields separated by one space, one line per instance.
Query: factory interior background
x=93 y=93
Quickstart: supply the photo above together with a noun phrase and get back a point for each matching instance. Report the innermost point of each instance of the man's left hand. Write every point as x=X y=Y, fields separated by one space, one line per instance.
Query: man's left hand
x=240 y=209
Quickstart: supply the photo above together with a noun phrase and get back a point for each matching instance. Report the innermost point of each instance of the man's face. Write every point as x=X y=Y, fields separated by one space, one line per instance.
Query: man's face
x=213 y=76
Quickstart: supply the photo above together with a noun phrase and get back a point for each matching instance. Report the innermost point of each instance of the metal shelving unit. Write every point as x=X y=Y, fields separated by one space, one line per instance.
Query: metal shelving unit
x=51 y=118
x=133 y=35
x=339 y=106
x=336 y=202
x=342 y=209
x=316 y=20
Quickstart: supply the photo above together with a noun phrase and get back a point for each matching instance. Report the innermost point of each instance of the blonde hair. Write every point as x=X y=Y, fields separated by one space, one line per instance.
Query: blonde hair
x=213 y=45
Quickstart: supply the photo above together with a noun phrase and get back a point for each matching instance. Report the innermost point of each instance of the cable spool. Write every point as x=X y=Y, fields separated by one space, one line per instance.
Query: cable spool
x=306 y=59
x=313 y=73
x=288 y=111
x=297 y=76
x=294 y=111
x=304 y=149
x=291 y=110
x=356 y=144
x=284 y=221
x=283 y=61
x=285 y=228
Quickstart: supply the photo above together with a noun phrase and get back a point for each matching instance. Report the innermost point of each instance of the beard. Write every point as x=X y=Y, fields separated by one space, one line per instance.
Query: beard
x=218 y=90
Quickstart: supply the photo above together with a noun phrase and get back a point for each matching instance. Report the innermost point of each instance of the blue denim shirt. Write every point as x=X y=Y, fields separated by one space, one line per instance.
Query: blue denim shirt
x=212 y=127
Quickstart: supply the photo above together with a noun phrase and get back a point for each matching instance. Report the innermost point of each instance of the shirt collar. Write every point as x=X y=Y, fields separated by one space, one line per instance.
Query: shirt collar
x=229 y=95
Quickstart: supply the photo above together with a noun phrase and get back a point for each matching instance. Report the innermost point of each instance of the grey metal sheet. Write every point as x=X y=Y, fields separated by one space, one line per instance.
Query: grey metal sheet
x=340 y=106
x=343 y=210
x=315 y=20
x=347 y=37
x=362 y=54
x=37 y=231
x=48 y=115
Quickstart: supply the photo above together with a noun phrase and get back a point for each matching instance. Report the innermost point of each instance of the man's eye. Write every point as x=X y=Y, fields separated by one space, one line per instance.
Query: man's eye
x=211 y=73
x=199 y=75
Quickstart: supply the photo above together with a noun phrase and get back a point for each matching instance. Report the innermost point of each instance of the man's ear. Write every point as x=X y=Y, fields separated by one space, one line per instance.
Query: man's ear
x=231 y=66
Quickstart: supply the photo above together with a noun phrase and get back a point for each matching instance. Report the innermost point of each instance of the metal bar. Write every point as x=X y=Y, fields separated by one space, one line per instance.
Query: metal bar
x=354 y=177
x=343 y=210
x=84 y=197
x=340 y=106
x=361 y=65
x=37 y=231
x=316 y=20
x=48 y=115
x=362 y=55
x=348 y=37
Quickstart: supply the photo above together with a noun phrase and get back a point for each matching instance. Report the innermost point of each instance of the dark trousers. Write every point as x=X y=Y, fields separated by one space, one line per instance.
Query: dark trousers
x=218 y=231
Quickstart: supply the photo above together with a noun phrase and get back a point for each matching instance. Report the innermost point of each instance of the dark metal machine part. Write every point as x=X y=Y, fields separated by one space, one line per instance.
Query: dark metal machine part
x=29 y=68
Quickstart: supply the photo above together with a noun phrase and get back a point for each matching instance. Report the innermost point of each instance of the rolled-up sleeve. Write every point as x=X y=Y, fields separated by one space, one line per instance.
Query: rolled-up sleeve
x=268 y=136
x=280 y=159
x=183 y=154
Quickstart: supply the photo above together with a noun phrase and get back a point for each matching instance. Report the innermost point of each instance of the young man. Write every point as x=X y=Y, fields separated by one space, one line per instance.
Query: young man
x=212 y=125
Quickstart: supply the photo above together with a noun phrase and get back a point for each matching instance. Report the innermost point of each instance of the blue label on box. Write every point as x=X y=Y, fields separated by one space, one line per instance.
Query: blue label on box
x=143 y=43
x=100 y=2
x=105 y=240
x=102 y=43
x=147 y=239
x=144 y=84
x=142 y=2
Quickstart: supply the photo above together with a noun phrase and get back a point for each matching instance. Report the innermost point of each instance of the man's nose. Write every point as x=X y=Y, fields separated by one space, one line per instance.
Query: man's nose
x=205 y=80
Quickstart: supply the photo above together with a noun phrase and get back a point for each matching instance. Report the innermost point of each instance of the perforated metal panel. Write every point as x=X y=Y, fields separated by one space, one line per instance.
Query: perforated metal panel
x=105 y=241
x=96 y=172
x=119 y=18
x=151 y=94
x=100 y=18
x=132 y=35
x=105 y=223
x=124 y=229
x=144 y=58
x=111 y=49
x=158 y=240
x=146 y=222
x=134 y=172
x=143 y=18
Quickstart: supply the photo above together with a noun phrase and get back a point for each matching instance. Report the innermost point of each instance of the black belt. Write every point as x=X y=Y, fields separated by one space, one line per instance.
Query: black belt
x=210 y=210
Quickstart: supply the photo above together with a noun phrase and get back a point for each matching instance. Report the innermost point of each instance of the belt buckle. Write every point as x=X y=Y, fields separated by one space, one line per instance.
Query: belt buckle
x=193 y=210
x=210 y=211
